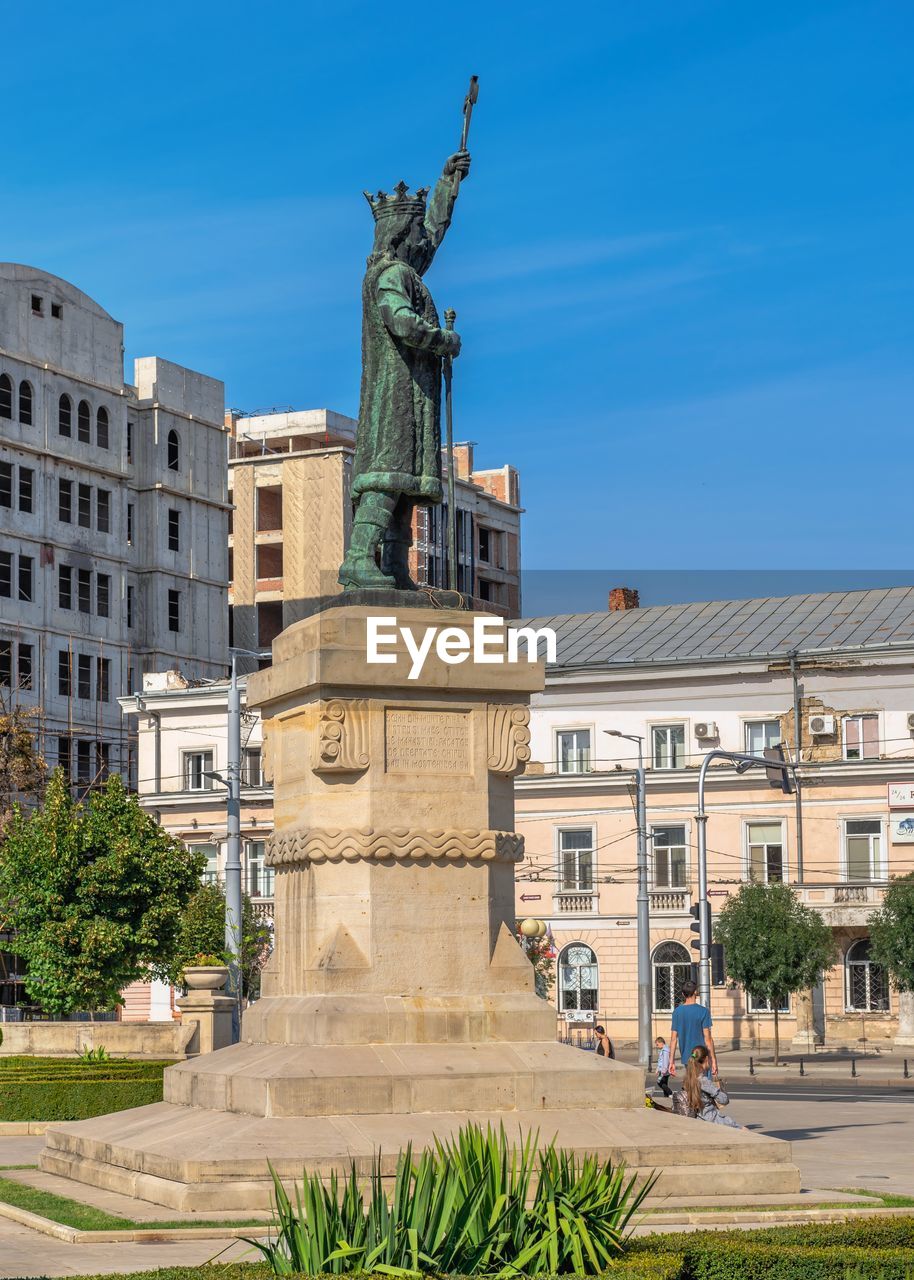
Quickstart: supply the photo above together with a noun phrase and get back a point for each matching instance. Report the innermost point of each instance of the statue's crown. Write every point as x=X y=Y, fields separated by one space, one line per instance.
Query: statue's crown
x=398 y=202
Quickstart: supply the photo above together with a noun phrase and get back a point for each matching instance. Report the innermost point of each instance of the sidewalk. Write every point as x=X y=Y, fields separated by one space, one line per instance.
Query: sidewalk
x=832 y=1066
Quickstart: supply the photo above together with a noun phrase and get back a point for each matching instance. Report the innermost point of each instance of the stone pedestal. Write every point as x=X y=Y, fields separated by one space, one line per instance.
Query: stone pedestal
x=210 y=1015
x=397 y=1004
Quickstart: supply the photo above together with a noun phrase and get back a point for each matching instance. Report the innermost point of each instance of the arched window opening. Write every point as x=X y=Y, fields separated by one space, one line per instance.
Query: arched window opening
x=64 y=416
x=6 y=396
x=84 y=423
x=25 y=403
x=867 y=983
x=174 y=451
x=578 y=977
x=672 y=967
x=101 y=428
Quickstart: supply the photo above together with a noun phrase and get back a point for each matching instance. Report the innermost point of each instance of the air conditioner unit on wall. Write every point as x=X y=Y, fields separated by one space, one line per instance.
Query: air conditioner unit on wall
x=819 y=725
x=911 y=721
x=706 y=729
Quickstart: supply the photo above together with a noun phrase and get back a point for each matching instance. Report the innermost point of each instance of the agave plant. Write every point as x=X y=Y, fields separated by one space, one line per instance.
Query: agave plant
x=475 y=1205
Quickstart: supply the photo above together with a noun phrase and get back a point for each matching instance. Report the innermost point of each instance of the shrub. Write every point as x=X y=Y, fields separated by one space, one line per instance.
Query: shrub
x=473 y=1205
x=73 y=1089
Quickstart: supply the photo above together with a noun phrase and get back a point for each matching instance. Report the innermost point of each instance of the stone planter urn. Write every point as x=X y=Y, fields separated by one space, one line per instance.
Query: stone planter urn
x=205 y=977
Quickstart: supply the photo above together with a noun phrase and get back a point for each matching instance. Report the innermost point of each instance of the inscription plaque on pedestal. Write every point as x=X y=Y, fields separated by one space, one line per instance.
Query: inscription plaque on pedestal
x=427 y=741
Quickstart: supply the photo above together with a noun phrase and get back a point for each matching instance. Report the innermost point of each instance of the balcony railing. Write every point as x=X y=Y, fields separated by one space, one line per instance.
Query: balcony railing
x=670 y=901
x=841 y=895
x=573 y=903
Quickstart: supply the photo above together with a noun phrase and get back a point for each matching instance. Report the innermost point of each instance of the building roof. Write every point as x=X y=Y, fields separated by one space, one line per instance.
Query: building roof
x=721 y=630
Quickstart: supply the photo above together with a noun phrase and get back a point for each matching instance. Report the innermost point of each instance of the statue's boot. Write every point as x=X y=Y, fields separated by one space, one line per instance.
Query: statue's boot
x=397 y=541
x=360 y=565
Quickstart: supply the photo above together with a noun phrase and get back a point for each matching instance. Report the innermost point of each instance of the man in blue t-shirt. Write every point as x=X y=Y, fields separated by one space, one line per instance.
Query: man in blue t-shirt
x=691 y=1028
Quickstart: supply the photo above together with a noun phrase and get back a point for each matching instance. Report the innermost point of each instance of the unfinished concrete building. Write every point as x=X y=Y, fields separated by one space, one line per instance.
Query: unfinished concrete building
x=113 y=521
x=289 y=478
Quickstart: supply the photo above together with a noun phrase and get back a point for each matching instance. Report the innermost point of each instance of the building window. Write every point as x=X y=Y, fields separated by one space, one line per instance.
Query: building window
x=26 y=578
x=56 y=310
x=24 y=669
x=83 y=676
x=103 y=679
x=671 y=859
x=251 y=773
x=84 y=423
x=65 y=501
x=668 y=746
x=766 y=852
x=861 y=737
x=174 y=451
x=64 y=416
x=103 y=510
x=6 y=396
x=863 y=848
x=64 y=586
x=260 y=876
x=198 y=768
x=174 y=611
x=64 y=676
x=210 y=852
x=64 y=754
x=25 y=403
x=174 y=530
x=672 y=967
x=6 y=663
x=84 y=590
x=102 y=761
x=83 y=762
x=129 y=524
x=130 y=442
x=866 y=983
x=573 y=750
x=102 y=435
x=761 y=1004
x=37 y=302
x=103 y=594
x=576 y=860
x=578 y=978
x=485 y=544
x=26 y=488
x=6 y=484
x=129 y=606
x=6 y=574
x=761 y=734
x=84 y=506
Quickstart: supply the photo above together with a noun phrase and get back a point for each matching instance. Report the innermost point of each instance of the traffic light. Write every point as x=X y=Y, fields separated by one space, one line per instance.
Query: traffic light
x=782 y=779
x=695 y=926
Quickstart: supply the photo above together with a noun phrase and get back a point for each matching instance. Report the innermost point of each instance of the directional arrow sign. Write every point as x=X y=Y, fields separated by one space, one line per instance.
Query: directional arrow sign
x=530 y=897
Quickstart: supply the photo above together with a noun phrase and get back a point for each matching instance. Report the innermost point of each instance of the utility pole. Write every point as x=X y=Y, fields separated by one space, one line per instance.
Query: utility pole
x=233 y=904
x=643 y=905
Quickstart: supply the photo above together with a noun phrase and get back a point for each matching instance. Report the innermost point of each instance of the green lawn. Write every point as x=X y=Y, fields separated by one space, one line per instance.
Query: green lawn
x=71 y=1213
x=878 y=1200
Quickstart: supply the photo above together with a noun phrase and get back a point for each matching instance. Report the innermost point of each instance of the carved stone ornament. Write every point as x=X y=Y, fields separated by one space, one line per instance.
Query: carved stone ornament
x=354 y=844
x=508 y=737
x=341 y=742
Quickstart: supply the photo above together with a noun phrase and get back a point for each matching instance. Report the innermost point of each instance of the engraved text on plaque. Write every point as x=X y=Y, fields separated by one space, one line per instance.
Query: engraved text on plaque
x=427 y=741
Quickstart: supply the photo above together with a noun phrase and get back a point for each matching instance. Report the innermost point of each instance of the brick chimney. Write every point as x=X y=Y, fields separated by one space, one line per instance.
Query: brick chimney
x=623 y=598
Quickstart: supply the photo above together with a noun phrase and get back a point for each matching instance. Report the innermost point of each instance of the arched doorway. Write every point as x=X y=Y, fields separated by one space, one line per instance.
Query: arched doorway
x=672 y=967
x=578 y=978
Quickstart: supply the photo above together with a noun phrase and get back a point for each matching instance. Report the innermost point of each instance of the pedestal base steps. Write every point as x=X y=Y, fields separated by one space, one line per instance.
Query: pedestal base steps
x=188 y=1158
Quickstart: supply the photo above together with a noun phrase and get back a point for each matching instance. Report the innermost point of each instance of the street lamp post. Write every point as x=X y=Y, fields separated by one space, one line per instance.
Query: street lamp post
x=642 y=906
x=743 y=761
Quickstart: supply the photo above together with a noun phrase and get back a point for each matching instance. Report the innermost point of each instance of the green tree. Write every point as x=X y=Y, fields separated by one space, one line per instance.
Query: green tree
x=892 y=932
x=94 y=894
x=773 y=945
x=22 y=769
x=203 y=933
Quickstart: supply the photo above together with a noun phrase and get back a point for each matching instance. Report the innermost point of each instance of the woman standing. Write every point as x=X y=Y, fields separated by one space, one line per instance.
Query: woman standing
x=604 y=1044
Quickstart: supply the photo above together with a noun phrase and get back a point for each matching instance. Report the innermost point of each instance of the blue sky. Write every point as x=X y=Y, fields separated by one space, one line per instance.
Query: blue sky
x=682 y=264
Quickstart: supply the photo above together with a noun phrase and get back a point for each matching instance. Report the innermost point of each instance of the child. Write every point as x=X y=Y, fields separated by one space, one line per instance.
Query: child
x=663 y=1066
x=705 y=1097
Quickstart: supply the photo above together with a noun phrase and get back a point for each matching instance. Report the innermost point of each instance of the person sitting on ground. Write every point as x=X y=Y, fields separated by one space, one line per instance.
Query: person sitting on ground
x=663 y=1066
x=604 y=1044
x=703 y=1096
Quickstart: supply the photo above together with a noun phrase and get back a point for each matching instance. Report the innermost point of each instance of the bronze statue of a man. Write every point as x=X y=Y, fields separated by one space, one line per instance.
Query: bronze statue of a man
x=398 y=444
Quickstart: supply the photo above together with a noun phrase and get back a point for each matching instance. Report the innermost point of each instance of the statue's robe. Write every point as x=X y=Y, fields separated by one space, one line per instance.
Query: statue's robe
x=398 y=446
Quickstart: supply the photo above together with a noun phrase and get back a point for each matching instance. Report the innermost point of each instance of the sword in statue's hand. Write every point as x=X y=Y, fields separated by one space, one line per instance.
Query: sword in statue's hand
x=448 y=365
x=468 y=104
